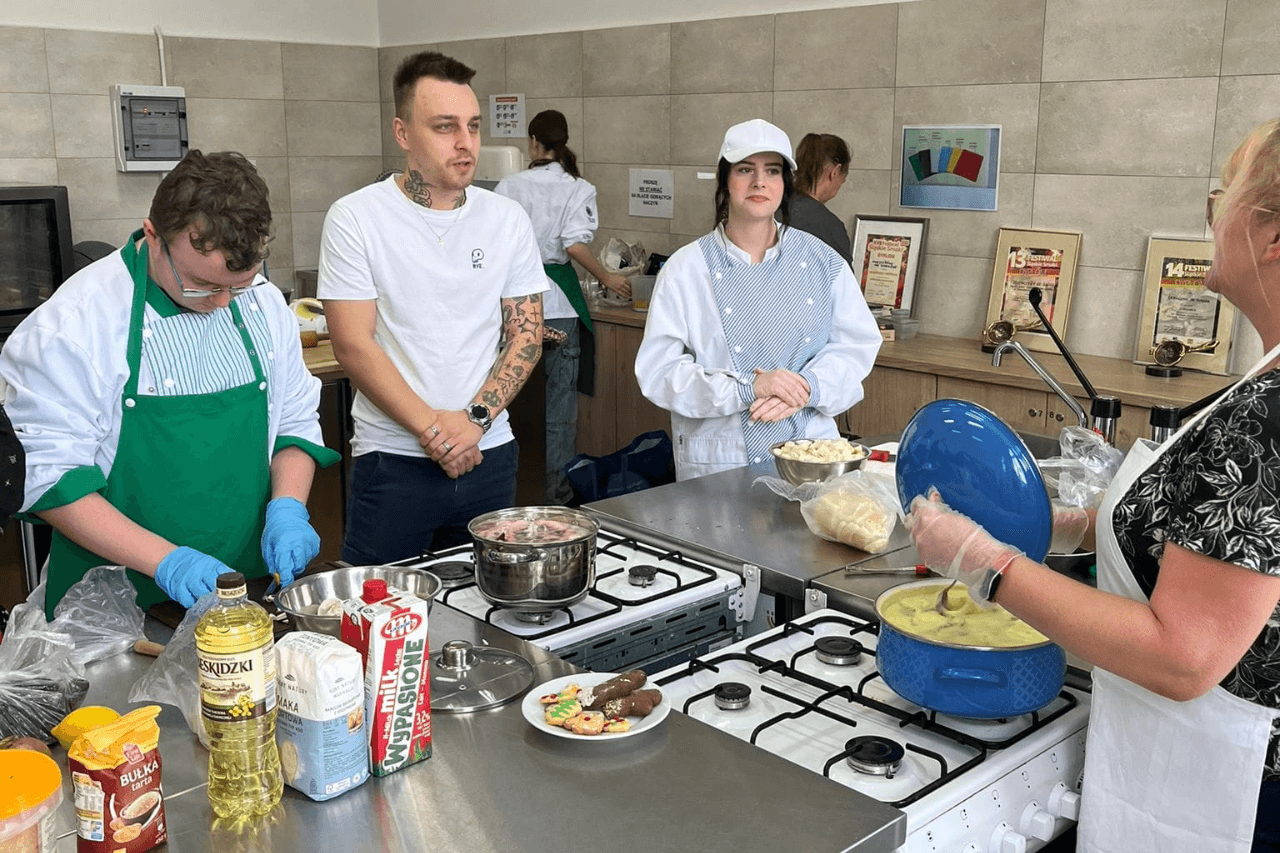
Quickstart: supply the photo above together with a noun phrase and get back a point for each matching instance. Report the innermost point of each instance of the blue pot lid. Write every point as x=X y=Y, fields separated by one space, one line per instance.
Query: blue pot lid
x=981 y=468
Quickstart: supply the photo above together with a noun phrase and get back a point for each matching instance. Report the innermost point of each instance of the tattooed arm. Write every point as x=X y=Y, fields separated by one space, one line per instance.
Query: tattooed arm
x=521 y=349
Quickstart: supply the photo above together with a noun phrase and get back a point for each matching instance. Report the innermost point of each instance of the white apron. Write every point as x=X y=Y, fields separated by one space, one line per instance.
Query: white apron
x=1162 y=776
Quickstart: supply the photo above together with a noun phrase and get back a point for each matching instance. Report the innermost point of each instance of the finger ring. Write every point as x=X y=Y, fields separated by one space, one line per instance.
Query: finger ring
x=447 y=447
x=435 y=430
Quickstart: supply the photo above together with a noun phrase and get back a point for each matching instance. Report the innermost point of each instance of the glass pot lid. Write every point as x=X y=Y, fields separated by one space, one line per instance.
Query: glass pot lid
x=465 y=678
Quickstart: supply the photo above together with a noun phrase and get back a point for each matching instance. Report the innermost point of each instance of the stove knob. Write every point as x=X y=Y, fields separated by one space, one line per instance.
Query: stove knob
x=1036 y=822
x=1005 y=840
x=1064 y=802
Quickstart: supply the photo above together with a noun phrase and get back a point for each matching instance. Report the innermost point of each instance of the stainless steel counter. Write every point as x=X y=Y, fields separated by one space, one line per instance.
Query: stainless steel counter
x=725 y=520
x=494 y=783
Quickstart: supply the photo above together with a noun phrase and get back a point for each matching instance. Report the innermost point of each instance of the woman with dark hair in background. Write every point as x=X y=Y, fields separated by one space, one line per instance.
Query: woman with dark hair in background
x=822 y=164
x=563 y=209
x=757 y=333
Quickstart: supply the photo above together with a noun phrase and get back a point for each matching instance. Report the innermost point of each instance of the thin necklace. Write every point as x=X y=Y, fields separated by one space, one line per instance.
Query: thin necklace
x=457 y=212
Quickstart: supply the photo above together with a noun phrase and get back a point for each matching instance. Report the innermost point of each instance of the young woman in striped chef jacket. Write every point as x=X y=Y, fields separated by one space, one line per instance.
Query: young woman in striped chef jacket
x=757 y=332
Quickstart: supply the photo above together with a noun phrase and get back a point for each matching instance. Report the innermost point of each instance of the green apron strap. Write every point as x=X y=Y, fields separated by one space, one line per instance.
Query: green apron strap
x=566 y=277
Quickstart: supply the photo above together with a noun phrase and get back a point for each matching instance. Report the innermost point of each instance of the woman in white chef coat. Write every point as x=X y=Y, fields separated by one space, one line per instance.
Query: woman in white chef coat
x=822 y=165
x=168 y=420
x=757 y=332
x=563 y=209
x=1183 y=630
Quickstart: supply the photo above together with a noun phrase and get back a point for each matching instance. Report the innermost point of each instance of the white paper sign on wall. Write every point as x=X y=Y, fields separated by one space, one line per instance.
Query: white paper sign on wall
x=652 y=193
x=506 y=116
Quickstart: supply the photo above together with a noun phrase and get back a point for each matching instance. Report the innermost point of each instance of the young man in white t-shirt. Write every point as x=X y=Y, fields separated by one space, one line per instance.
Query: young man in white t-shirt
x=433 y=295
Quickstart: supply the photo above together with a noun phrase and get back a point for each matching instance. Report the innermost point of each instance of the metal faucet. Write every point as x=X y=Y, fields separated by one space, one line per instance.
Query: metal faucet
x=1006 y=346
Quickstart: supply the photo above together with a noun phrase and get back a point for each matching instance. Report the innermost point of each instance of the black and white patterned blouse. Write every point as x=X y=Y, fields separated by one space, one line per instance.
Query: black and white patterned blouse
x=1216 y=491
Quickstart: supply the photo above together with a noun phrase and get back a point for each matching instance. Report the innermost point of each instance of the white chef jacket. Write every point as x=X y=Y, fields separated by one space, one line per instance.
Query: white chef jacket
x=684 y=364
x=63 y=372
x=563 y=210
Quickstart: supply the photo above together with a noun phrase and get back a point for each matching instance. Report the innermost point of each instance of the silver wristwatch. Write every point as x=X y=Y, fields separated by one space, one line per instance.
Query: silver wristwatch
x=479 y=414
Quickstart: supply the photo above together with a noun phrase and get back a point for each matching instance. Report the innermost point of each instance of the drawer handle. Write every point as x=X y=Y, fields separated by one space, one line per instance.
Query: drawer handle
x=1034 y=413
x=1057 y=416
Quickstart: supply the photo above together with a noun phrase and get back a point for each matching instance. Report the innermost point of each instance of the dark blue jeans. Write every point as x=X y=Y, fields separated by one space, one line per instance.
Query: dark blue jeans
x=401 y=506
x=561 y=366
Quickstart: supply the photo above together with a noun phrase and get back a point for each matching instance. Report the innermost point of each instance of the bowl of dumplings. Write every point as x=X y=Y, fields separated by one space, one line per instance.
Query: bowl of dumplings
x=814 y=460
x=314 y=602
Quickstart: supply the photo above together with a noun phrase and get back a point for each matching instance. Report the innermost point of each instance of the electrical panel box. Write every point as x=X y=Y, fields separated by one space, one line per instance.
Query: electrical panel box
x=150 y=125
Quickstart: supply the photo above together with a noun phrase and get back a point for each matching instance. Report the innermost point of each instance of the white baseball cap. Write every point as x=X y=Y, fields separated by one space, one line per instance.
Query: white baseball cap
x=753 y=137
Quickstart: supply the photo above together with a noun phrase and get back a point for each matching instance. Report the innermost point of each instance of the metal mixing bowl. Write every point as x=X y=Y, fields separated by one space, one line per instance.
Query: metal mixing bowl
x=796 y=472
x=301 y=598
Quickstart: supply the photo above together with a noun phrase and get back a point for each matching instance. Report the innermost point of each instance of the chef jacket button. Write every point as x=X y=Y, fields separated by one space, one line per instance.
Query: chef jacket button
x=810 y=301
x=807 y=340
x=262 y=386
x=737 y=349
x=130 y=403
x=146 y=333
x=169 y=383
x=240 y=326
x=757 y=459
x=250 y=352
x=728 y=310
x=151 y=390
x=804 y=265
x=253 y=306
x=271 y=354
x=718 y=275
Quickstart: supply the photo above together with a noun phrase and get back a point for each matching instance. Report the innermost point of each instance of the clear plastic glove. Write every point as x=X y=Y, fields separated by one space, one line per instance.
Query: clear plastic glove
x=1070 y=523
x=289 y=541
x=953 y=544
x=186 y=574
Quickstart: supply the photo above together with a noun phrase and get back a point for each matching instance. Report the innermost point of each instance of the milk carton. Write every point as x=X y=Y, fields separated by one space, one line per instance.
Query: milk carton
x=391 y=635
x=320 y=719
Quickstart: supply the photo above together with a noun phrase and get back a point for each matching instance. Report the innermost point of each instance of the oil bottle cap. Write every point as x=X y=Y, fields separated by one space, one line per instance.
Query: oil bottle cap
x=230 y=580
x=375 y=589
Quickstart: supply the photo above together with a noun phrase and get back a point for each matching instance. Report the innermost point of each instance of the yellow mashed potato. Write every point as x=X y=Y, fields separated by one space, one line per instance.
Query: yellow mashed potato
x=911 y=611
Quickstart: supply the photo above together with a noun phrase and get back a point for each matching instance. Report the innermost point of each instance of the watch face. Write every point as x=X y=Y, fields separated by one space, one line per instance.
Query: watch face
x=479 y=411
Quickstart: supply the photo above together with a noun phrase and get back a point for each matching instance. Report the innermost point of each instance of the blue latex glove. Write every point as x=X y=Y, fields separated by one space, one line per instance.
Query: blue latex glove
x=186 y=574
x=289 y=541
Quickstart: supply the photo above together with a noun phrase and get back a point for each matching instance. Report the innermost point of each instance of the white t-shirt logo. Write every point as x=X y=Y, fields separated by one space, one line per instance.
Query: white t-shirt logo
x=477 y=259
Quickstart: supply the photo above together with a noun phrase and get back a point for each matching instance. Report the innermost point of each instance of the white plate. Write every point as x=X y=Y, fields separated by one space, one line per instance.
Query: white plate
x=535 y=712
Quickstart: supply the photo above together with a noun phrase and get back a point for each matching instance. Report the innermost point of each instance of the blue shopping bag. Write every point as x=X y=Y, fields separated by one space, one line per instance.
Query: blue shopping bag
x=649 y=460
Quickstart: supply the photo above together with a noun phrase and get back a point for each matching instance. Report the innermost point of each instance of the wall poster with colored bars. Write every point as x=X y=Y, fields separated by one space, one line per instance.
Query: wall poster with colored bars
x=951 y=166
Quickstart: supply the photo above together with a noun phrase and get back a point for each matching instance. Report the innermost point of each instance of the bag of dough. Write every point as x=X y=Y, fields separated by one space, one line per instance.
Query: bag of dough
x=858 y=508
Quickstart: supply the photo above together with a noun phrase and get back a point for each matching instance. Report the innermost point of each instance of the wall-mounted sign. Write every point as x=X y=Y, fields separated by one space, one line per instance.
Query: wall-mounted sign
x=652 y=193
x=506 y=116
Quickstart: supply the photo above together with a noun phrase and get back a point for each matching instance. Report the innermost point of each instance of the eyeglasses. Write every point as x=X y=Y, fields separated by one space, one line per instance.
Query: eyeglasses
x=202 y=293
x=1211 y=208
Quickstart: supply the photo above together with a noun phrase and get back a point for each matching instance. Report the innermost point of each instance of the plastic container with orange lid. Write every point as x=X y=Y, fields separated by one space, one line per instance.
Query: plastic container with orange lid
x=30 y=792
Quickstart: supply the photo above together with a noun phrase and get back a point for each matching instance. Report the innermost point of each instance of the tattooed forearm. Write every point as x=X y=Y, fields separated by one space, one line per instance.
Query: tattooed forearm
x=522 y=331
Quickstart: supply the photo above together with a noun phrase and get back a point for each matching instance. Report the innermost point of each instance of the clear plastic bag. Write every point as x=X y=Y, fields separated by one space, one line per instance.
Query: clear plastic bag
x=40 y=679
x=859 y=508
x=1084 y=470
x=101 y=614
x=173 y=679
x=624 y=258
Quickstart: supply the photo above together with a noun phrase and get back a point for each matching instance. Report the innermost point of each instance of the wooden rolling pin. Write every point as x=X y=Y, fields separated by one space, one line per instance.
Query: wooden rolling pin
x=148 y=647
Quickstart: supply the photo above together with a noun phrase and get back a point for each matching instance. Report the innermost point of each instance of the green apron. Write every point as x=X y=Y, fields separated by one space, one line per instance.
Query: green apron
x=566 y=277
x=191 y=468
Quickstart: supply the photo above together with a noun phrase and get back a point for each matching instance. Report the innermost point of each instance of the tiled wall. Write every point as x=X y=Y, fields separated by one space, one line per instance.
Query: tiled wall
x=1117 y=115
x=307 y=115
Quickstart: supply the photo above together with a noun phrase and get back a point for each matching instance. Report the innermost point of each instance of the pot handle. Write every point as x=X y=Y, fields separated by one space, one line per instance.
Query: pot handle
x=510 y=558
x=960 y=673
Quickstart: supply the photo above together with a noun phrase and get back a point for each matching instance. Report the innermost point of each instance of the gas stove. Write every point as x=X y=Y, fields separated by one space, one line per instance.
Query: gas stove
x=809 y=692
x=649 y=608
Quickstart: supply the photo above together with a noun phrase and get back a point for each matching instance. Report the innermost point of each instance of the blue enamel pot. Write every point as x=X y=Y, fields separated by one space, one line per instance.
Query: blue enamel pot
x=980 y=682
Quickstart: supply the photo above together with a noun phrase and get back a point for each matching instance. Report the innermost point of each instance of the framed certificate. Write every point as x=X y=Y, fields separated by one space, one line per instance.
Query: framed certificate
x=1027 y=259
x=1194 y=325
x=888 y=254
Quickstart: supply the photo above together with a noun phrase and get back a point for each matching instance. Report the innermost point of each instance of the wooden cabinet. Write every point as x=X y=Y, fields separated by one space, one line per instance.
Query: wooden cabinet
x=618 y=412
x=1024 y=410
x=890 y=397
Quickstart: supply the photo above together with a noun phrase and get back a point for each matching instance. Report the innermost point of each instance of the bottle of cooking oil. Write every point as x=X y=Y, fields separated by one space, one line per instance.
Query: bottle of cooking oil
x=235 y=647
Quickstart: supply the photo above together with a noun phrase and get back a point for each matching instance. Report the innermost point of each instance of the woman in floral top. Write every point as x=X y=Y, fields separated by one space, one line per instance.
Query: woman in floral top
x=1184 y=627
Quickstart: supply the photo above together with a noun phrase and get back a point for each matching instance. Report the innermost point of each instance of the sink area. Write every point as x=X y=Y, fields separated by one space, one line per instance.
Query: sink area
x=1041 y=446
